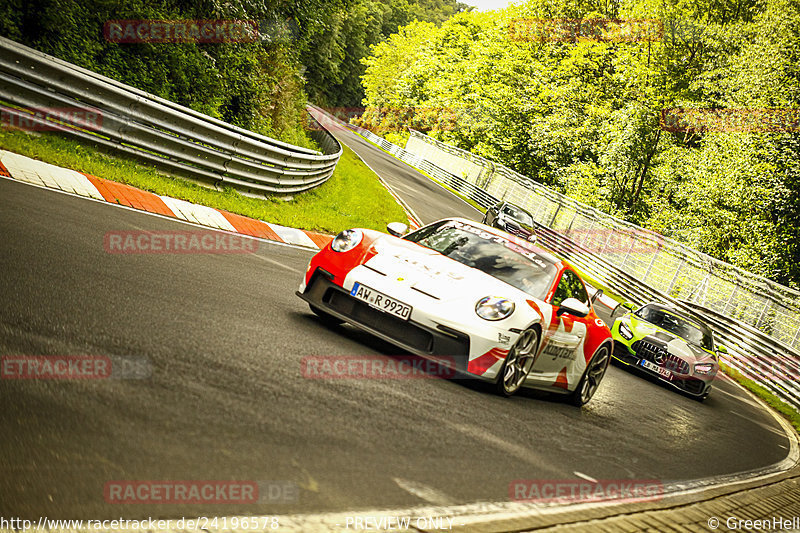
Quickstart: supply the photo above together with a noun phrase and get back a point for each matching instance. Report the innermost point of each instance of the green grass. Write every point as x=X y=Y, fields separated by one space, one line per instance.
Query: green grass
x=352 y=197
x=788 y=412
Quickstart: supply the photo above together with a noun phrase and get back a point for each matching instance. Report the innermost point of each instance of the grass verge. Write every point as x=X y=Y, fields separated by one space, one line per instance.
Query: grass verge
x=352 y=197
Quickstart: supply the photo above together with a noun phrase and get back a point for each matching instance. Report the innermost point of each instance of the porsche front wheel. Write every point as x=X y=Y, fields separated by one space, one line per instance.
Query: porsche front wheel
x=518 y=363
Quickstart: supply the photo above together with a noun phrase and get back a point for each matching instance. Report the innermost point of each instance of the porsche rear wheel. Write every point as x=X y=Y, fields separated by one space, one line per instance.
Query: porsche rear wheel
x=591 y=377
x=518 y=363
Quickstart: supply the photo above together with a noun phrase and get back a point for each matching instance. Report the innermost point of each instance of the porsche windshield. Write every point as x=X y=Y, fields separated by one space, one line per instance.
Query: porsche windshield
x=658 y=316
x=505 y=260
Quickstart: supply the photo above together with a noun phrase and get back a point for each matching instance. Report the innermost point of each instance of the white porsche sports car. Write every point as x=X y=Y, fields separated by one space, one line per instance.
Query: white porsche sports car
x=503 y=309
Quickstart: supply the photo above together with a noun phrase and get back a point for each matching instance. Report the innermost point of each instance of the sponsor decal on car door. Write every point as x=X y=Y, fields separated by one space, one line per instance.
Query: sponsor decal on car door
x=561 y=361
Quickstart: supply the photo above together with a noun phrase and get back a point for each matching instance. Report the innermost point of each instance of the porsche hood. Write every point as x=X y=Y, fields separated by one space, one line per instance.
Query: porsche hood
x=431 y=273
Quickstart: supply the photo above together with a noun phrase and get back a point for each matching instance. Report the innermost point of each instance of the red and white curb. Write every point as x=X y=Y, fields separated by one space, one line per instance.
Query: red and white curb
x=36 y=172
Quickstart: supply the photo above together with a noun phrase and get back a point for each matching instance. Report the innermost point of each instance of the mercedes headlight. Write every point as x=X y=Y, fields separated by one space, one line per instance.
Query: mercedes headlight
x=703 y=368
x=625 y=332
x=346 y=240
x=494 y=308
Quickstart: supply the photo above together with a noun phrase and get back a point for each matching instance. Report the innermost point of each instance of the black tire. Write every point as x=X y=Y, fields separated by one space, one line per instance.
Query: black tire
x=518 y=363
x=325 y=318
x=591 y=378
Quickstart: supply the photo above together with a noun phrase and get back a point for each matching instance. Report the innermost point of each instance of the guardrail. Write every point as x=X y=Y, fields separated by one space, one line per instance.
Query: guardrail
x=773 y=364
x=177 y=139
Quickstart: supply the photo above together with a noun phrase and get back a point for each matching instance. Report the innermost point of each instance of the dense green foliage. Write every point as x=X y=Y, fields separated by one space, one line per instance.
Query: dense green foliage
x=256 y=85
x=312 y=46
x=334 y=67
x=584 y=115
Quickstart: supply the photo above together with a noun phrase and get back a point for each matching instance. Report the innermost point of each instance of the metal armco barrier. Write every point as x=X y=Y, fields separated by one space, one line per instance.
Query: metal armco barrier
x=616 y=260
x=177 y=139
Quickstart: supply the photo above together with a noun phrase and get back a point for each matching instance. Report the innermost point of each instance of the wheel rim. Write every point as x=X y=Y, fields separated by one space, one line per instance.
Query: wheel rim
x=519 y=360
x=594 y=374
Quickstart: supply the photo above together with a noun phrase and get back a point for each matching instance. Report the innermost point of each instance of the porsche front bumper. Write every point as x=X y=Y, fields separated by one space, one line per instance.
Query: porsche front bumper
x=444 y=343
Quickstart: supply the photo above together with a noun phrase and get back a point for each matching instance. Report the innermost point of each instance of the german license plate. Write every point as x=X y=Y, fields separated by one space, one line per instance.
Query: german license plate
x=380 y=301
x=657 y=369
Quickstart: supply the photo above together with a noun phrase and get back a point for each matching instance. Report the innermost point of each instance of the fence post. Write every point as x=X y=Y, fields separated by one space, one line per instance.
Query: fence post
x=675 y=277
x=730 y=299
x=628 y=253
x=652 y=262
x=555 y=215
x=763 y=312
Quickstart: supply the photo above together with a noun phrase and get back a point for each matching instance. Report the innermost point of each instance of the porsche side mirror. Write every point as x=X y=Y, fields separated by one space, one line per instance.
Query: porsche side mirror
x=596 y=295
x=628 y=305
x=398 y=229
x=573 y=307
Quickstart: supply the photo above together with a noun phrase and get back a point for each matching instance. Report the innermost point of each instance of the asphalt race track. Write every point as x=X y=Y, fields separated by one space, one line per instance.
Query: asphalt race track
x=425 y=197
x=225 y=334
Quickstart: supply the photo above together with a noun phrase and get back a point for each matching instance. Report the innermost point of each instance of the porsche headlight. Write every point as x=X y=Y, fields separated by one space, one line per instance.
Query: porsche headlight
x=346 y=240
x=494 y=308
x=625 y=332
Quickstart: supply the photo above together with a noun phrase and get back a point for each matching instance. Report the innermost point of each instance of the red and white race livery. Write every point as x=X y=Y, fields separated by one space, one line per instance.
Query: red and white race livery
x=494 y=305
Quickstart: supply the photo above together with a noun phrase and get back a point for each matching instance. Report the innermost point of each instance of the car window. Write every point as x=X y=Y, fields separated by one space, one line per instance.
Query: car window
x=518 y=214
x=678 y=325
x=501 y=258
x=570 y=286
